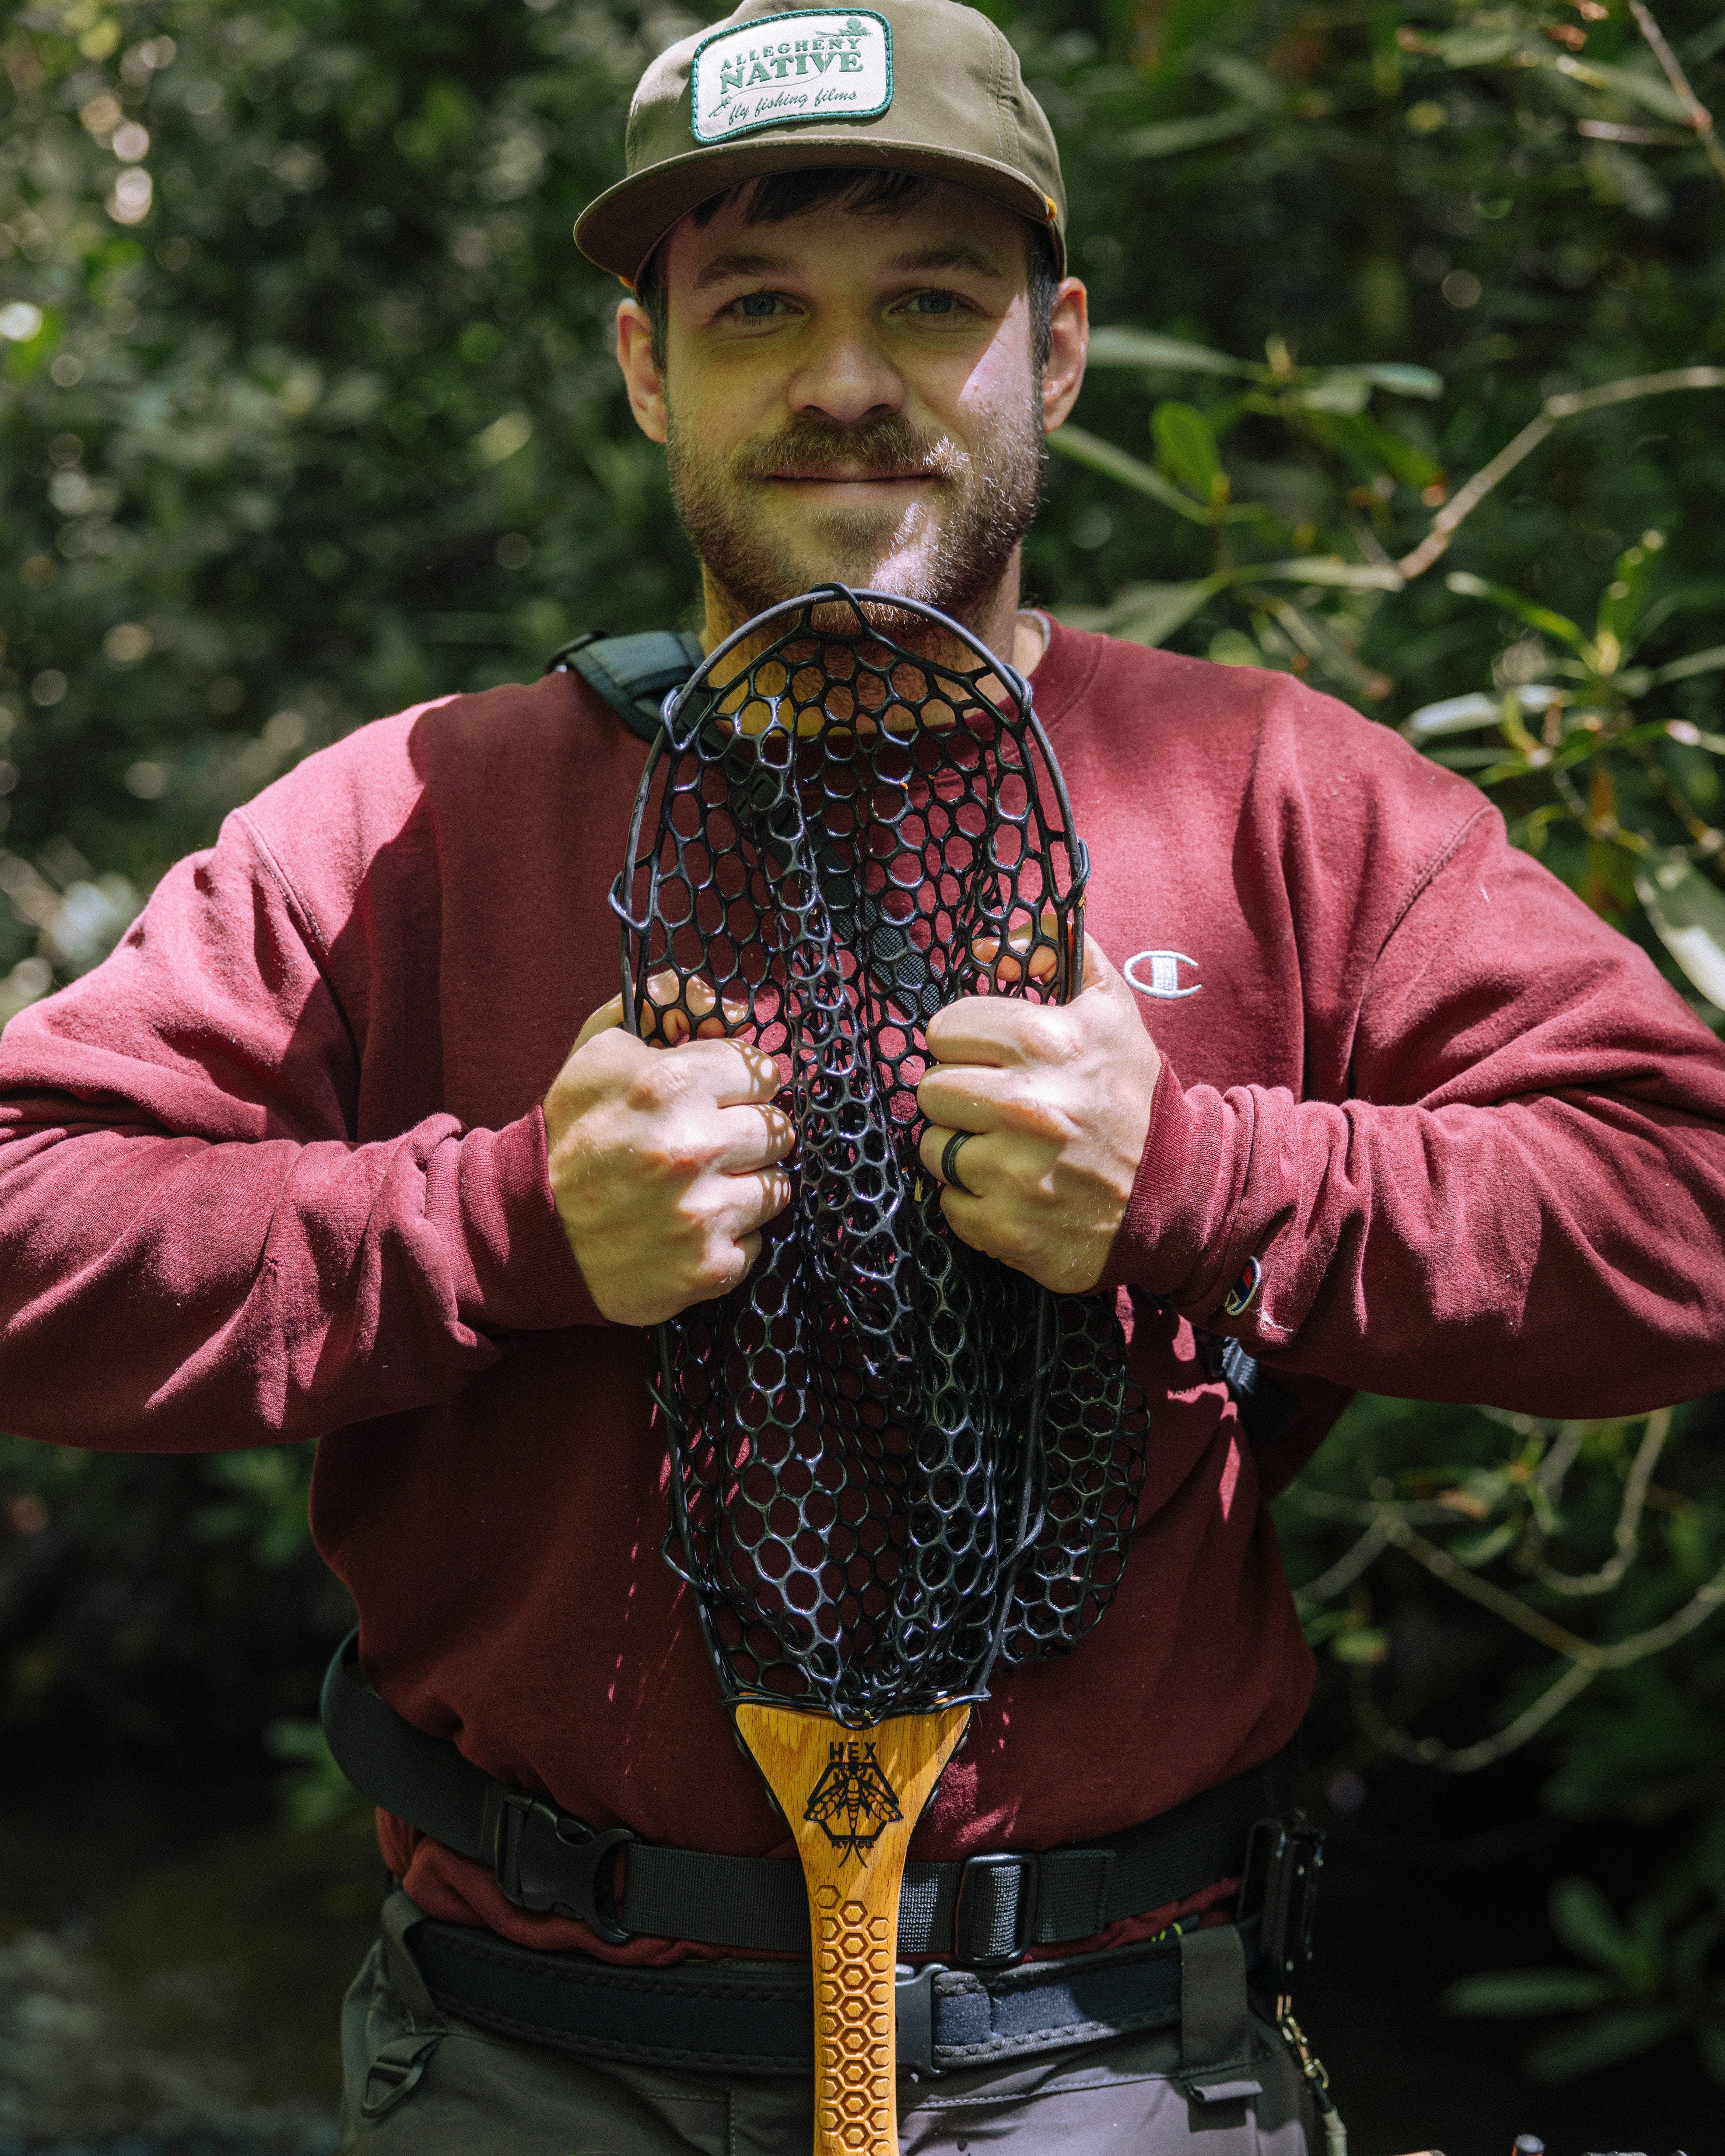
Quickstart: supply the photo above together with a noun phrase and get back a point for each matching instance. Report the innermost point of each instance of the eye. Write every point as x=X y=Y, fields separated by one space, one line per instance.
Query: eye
x=937 y=303
x=756 y=306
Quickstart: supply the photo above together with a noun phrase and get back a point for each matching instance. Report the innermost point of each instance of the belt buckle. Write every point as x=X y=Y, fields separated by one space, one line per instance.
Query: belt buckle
x=1284 y=1862
x=547 y=1861
x=913 y=2002
x=1024 y=1914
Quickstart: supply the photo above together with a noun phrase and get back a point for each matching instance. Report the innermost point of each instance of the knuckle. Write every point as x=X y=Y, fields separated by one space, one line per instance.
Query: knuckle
x=659 y=1086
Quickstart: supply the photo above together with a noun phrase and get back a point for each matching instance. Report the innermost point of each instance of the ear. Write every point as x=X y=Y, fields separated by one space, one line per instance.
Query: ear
x=1068 y=340
x=641 y=372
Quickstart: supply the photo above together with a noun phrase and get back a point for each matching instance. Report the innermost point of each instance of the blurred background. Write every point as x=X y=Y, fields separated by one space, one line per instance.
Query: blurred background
x=1408 y=380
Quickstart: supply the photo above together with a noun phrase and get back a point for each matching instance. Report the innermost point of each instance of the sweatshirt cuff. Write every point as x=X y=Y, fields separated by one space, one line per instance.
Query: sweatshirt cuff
x=516 y=1272
x=1175 y=1240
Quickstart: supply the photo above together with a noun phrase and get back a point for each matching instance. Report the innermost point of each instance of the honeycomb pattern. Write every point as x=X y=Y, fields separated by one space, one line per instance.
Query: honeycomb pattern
x=853 y=2100
x=894 y=1459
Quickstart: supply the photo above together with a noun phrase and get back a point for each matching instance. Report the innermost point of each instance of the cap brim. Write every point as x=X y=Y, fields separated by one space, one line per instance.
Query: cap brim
x=621 y=228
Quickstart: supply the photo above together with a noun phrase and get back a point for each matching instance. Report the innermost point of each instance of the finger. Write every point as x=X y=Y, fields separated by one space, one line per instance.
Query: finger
x=663 y=1022
x=732 y=1073
x=968 y=1096
x=602 y=1021
x=1002 y=1030
x=966 y=1216
x=662 y=1026
x=750 y=1201
x=733 y=1016
x=931 y=1151
x=680 y=1006
x=752 y=1137
x=1009 y=967
x=1101 y=973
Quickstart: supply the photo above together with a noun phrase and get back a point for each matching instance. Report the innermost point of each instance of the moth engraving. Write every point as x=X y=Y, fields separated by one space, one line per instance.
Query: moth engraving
x=853 y=1800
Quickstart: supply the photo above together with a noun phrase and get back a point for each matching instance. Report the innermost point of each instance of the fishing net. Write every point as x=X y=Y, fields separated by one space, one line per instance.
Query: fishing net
x=893 y=1461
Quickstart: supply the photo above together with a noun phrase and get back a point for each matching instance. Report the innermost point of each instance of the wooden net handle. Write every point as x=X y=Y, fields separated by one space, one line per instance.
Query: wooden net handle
x=852 y=1797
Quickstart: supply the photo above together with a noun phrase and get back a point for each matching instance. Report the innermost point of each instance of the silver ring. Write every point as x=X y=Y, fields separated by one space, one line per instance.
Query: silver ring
x=949 y=1161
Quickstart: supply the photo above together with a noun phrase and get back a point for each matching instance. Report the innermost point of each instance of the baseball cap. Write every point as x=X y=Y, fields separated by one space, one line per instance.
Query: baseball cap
x=910 y=85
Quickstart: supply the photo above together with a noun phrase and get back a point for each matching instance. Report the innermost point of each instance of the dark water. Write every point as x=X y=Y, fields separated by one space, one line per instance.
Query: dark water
x=171 y=1961
x=170 y=1966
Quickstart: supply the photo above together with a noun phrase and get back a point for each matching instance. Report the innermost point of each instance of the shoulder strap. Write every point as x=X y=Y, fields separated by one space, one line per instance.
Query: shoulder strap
x=634 y=674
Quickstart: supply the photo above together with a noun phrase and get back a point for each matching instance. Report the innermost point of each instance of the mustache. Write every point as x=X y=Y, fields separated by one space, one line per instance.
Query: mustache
x=876 y=447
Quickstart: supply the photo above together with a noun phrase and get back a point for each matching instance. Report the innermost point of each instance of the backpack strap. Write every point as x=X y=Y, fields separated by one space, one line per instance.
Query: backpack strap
x=634 y=674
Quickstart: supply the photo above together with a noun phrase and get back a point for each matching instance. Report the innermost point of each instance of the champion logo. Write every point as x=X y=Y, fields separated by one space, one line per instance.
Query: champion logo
x=1157 y=973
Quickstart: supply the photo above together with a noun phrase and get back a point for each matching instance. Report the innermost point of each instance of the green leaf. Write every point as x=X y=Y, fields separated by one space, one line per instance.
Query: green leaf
x=1328 y=569
x=503 y=437
x=1476 y=1550
x=1344 y=393
x=1097 y=455
x=1697 y=662
x=1651 y=91
x=1150 y=613
x=1504 y=1992
x=1465 y=759
x=1622 y=600
x=1402 y=380
x=1251 y=83
x=1348 y=389
x=1467 y=49
x=1687 y=911
x=1604 y=2039
x=1454 y=715
x=1187 y=448
x=1233 y=647
x=1582 y=1919
x=1121 y=345
x=1470 y=587
x=1167 y=138
x=1364 y=1644
x=1380 y=448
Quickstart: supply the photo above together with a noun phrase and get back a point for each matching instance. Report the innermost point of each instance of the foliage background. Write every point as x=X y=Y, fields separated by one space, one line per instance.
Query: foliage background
x=306 y=412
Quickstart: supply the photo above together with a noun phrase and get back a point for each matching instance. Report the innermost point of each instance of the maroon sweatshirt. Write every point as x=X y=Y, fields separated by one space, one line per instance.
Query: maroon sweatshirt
x=276 y=1170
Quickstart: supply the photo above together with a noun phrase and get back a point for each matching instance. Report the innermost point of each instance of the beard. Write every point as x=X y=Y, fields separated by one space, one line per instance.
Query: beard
x=950 y=551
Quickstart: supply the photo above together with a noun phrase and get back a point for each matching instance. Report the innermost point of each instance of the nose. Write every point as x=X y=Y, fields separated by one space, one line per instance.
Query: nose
x=845 y=375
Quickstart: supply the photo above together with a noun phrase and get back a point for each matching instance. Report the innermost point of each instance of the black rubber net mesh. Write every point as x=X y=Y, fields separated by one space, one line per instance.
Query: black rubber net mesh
x=894 y=1460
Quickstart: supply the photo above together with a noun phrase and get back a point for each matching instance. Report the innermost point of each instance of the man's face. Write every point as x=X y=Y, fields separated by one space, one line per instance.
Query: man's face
x=853 y=396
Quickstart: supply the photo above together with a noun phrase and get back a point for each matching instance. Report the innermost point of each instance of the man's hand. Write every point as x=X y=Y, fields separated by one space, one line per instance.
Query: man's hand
x=664 y=1161
x=1059 y=1094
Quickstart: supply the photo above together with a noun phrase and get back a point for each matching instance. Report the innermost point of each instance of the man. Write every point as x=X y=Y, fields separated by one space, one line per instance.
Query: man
x=1352 y=1082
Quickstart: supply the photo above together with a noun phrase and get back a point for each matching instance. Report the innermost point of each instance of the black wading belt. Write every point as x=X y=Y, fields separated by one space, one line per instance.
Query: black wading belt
x=755 y=2017
x=983 y=1913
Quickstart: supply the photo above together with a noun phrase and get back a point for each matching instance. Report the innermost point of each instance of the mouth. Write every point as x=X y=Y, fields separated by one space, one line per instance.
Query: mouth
x=824 y=474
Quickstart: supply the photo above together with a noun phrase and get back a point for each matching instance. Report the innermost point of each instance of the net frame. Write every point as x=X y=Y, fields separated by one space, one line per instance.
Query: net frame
x=955 y=1480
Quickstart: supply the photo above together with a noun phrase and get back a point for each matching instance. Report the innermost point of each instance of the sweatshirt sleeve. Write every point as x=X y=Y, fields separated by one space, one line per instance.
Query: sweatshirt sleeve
x=195 y=1252
x=1522 y=1201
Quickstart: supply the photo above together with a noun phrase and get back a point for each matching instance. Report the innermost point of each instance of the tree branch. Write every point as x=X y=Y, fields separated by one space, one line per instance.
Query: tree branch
x=1565 y=406
x=1699 y=118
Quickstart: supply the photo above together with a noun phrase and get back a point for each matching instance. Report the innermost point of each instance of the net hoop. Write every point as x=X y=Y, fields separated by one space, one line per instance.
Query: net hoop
x=894 y=1463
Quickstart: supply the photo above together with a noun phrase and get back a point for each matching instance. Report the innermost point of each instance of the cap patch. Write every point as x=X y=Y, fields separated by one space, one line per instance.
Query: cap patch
x=818 y=63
